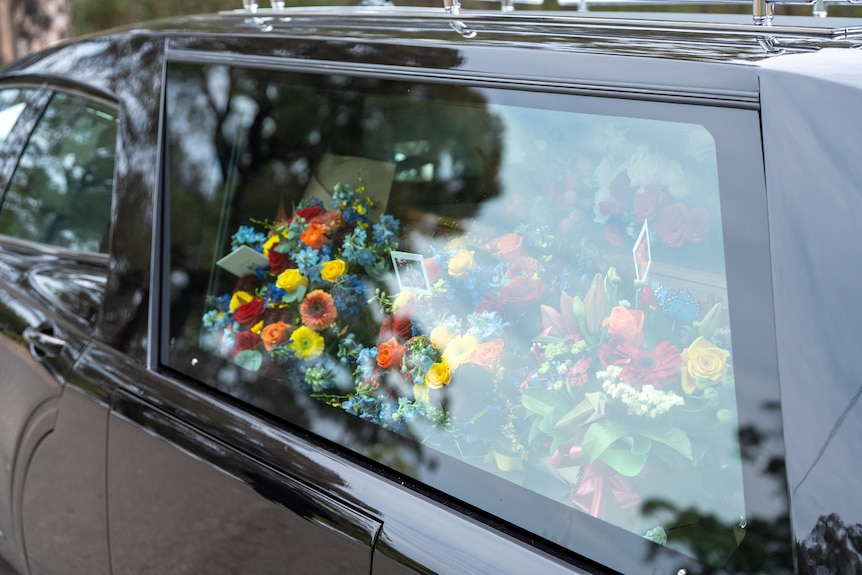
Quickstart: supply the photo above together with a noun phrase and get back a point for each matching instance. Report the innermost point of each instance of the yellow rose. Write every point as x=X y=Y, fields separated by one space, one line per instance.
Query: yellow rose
x=290 y=280
x=332 y=270
x=461 y=263
x=273 y=239
x=438 y=375
x=704 y=360
x=440 y=337
x=238 y=299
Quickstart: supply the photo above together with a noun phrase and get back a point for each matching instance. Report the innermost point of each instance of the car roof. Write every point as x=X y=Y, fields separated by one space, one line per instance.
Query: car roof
x=712 y=37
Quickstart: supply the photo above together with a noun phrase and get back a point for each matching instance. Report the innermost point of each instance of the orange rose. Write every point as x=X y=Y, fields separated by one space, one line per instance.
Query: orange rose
x=274 y=334
x=509 y=247
x=627 y=324
x=487 y=353
x=389 y=354
x=314 y=236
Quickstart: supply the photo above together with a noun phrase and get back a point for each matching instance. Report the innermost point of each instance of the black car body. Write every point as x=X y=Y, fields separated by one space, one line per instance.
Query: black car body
x=587 y=206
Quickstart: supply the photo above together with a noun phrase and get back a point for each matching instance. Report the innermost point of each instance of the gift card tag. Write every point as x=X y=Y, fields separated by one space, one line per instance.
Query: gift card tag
x=243 y=261
x=641 y=254
x=411 y=272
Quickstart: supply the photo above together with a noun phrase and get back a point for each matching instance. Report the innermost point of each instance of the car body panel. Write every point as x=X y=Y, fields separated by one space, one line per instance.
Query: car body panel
x=815 y=177
x=184 y=464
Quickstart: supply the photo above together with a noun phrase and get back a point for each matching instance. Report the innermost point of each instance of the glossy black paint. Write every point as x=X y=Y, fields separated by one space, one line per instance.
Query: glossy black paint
x=116 y=409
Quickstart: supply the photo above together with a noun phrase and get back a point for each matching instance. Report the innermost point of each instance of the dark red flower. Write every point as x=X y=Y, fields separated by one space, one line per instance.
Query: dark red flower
x=697 y=225
x=646 y=201
x=659 y=367
x=670 y=224
x=578 y=373
x=244 y=341
x=398 y=326
x=250 y=312
x=307 y=213
x=615 y=235
x=278 y=262
x=523 y=291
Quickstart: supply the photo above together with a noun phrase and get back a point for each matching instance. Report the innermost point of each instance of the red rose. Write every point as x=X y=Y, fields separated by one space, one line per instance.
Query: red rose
x=398 y=326
x=670 y=224
x=278 y=262
x=245 y=340
x=523 y=291
x=307 y=213
x=433 y=269
x=493 y=305
x=646 y=201
x=615 y=235
x=697 y=225
x=250 y=312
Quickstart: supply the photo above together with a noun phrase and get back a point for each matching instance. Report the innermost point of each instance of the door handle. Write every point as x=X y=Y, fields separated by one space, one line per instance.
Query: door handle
x=42 y=342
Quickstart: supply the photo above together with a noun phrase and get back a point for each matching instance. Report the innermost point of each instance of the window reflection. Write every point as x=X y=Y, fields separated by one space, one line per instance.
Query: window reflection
x=60 y=193
x=534 y=291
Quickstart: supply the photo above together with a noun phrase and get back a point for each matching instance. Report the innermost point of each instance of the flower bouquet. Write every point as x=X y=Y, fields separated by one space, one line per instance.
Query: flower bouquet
x=594 y=390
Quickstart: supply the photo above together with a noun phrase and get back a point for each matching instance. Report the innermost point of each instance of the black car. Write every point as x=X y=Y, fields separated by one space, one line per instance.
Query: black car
x=390 y=290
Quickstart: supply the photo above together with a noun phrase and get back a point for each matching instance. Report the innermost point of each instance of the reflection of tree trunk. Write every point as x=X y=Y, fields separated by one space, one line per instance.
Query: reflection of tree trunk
x=40 y=23
x=6 y=46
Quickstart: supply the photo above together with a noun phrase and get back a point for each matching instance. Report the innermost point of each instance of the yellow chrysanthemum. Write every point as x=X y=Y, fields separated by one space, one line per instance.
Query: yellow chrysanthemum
x=306 y=343
x=459 y=349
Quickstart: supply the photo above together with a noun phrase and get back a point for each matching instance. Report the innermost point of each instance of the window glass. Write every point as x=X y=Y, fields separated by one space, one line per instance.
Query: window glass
x=60 y=193
x=11 y=105
x=517 y=298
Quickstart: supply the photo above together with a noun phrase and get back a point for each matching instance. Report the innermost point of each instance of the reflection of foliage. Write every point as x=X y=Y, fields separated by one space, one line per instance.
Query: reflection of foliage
x=756 y=544
x=832 y=547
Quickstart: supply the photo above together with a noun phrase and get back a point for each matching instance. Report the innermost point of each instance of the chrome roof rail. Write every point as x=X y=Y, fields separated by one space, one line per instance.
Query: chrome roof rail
x=762 y=10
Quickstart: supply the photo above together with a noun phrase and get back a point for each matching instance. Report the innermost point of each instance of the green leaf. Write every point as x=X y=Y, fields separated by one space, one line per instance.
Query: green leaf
x=628 y=460
x=592 y=408
x=295 y=295
x=249 y=359
x=541 y=401
x=599 y=436
x=673 y=437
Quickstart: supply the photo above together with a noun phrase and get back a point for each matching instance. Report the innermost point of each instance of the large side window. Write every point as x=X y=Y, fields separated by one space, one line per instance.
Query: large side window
x=60 y=193
x=518 y=298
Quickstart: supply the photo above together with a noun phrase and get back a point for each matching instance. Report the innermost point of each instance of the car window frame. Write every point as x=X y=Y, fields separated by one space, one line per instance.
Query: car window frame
x=17 y=142
x=736 y=272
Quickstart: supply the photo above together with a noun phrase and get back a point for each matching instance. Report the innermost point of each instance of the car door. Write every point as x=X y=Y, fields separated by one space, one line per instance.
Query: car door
x=54 y=218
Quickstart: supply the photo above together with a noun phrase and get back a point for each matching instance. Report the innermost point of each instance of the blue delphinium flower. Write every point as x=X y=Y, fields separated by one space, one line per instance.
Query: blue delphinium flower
x=246 y=236
x=386 y=231
x=485 y=325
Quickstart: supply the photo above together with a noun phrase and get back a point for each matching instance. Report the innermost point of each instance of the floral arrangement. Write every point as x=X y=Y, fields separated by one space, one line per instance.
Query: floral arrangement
x=502 y=356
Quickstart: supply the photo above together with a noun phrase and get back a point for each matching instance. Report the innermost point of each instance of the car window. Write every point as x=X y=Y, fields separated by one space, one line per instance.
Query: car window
x=60 y=192
x=12 y=103
x=518 y=298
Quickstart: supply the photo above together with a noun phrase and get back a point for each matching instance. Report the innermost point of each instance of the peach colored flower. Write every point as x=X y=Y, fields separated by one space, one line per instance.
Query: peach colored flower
x=314 y=236
x=318 y=310
x=509 y=247
x=487 y=353
x=389 y=354
x=275 y=334
x=627 y=324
